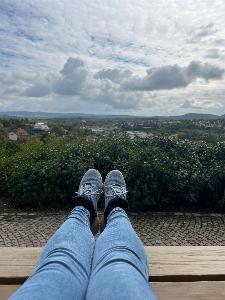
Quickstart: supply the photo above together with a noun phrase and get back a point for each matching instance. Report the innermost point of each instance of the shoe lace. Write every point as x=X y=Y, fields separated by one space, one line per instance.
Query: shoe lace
x=117 y=190
x=87 y=189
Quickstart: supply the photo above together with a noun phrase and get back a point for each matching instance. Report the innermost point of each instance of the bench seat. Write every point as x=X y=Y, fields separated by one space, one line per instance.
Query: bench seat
x=177 y=272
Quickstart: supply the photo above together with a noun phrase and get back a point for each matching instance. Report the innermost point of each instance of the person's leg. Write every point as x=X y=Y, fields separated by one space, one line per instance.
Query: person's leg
x=120 y=267
x=64 y=266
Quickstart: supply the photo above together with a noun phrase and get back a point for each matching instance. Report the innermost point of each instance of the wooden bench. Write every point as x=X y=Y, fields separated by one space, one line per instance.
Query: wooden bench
x=176 y=272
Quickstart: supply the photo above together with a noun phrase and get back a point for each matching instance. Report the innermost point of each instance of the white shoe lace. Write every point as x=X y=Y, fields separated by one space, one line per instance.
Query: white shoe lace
x=117 y=191
x=87 y=190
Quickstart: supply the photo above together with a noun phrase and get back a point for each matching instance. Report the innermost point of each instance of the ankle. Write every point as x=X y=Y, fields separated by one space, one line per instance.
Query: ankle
x=87 y=204
x=114 y=203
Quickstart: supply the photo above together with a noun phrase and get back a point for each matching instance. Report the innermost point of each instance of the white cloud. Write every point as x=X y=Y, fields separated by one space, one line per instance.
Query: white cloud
x=172 y=77
x=115 y=75
x=73 y=78
x=215 y=53
x=115 y=42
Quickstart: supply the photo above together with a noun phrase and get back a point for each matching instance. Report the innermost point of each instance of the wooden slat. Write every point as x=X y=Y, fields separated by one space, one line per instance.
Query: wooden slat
x=166 y=263
x=213 y=290
x=16 y=264
x=188 y=263
x=207 y=290
x=7 y=290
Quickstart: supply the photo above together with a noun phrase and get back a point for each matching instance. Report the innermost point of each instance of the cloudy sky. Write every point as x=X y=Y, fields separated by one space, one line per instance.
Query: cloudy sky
x=139 y=57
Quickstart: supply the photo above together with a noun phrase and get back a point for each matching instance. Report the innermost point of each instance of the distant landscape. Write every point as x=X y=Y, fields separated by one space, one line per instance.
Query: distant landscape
x=48 y=115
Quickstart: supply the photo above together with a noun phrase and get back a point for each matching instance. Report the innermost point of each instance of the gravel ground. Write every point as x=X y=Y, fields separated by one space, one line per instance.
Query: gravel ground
x=161 y=229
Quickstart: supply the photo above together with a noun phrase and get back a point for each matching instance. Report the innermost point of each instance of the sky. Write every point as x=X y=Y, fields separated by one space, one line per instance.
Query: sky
x=136 y=57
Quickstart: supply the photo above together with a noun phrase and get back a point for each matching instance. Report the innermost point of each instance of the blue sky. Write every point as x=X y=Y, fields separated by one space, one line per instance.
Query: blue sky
x=135 y=57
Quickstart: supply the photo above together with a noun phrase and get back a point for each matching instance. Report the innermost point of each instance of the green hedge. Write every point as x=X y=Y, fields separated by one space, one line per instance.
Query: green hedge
x=161 y=175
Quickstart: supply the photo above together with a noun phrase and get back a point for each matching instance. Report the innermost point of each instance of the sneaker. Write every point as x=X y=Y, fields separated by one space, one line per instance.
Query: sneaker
x=90 y=190
x=115 y=193
x=114 y=186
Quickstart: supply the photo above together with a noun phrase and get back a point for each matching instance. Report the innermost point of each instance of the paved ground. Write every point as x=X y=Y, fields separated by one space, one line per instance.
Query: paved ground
x=34 y=229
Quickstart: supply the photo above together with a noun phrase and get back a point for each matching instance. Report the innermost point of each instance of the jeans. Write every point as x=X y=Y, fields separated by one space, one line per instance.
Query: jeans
x=73 y=266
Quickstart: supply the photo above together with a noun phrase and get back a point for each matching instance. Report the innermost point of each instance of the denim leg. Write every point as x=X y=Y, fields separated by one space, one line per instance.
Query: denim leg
x=120 y=266
x=64 y=266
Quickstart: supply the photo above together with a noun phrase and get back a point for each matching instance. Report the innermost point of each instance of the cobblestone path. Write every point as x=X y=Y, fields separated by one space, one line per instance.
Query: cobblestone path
x=34 y=229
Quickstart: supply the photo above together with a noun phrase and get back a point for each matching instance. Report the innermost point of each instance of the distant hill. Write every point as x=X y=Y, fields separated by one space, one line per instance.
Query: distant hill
x=192 y=116
x=47 y=115
x=39 y=114
x=53 y=115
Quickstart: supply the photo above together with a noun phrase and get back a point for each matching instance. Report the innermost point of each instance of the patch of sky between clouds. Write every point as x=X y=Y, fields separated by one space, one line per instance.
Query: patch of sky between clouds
x=115 y=46
x=28 y=36
x=9 y=59
x=26 y=11
x=18 y=22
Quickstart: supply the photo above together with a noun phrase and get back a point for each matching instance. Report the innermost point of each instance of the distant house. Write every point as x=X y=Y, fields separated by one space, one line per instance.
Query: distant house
x=22 y=134
x=12 y=136
x=173 y=137
x=140 y=134
x=41 y=126
x=98 y=130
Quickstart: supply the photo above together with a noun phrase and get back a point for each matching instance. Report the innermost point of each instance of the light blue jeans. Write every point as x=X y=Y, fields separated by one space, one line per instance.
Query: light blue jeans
x=73 y=266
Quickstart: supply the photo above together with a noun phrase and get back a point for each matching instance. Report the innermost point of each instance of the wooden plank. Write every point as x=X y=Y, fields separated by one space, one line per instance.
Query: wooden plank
x=195 y=262
x=166 y=263
x=207 y=290
x=165 y=290
x=7 y=290
x=16 y=264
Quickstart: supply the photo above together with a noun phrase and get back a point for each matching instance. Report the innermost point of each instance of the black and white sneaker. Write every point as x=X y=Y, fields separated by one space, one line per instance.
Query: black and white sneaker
x=115 y=192
x=88 y=194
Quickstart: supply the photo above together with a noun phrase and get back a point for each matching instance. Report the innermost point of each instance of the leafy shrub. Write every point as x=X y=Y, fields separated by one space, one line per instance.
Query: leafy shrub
x=160 y=174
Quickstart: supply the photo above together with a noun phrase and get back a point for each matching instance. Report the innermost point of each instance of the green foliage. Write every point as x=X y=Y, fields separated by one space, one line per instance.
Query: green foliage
x=160 y=174
x=3 y=133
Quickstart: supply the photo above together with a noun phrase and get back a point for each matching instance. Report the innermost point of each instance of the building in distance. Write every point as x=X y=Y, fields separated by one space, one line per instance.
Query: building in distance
x=41 y=127
x=22 y=135
x=12 y=136
x=138 y=134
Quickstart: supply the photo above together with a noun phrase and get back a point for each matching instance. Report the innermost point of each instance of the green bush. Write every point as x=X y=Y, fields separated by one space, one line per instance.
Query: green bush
x=161 y=175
